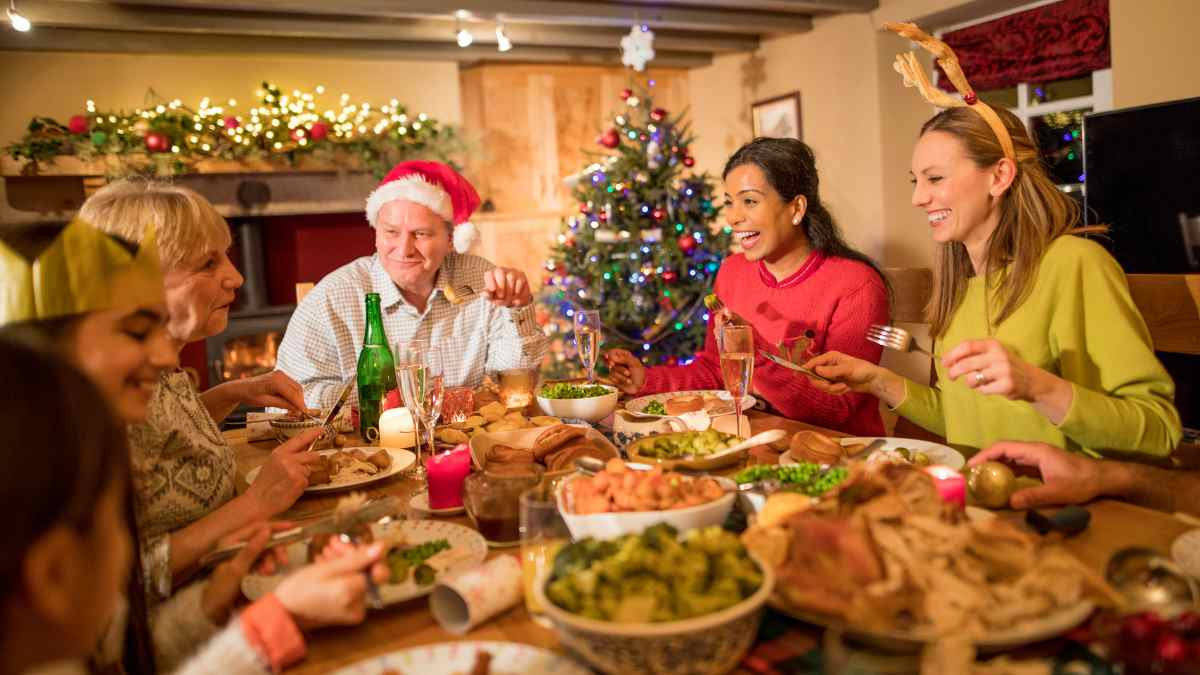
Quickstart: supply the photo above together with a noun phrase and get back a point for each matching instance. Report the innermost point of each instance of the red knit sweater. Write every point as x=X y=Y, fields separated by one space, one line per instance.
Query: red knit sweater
x=835 y=298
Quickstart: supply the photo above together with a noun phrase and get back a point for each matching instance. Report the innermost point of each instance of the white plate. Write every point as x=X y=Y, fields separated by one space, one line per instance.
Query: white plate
x=401 y=461
x=1185 y=551
x=453 y=658
x=639 y=403
x=937 y=453
x=1050 y=625
x=467 y=549
x=420 y=502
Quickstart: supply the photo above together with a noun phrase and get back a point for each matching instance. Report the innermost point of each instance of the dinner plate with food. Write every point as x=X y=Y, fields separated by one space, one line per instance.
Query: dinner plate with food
x=419 y=553
x=553 y=448
x=489 y=418
x=468 y=658
x=698 y=450
x=352 y=467
x=711 y=401
x=819 y=448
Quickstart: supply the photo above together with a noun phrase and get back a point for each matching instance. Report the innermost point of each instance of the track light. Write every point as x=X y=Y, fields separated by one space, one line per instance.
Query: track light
x=18 y=20
x=502 y=42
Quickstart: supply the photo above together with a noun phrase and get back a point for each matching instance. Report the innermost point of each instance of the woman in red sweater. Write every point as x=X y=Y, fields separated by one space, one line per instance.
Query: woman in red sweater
x=797 y=283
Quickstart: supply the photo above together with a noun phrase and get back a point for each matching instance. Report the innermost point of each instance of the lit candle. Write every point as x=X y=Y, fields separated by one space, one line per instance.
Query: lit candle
x=950 y=484
x=447 y=472
x=396 y=429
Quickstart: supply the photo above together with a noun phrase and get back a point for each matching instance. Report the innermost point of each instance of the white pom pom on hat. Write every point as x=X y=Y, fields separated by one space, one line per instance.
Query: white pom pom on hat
x=437 y=187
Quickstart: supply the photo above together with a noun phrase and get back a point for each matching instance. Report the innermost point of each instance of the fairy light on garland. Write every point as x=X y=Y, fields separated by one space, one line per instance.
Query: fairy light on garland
x=280 y=128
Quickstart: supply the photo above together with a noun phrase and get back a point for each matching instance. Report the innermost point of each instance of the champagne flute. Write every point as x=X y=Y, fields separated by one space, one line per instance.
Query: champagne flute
x=736 y=344
x=410 y=356
x=433 y=391
x=587 y=340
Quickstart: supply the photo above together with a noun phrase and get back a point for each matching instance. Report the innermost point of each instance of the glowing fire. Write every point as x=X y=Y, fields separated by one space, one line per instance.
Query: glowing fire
x=250 y=355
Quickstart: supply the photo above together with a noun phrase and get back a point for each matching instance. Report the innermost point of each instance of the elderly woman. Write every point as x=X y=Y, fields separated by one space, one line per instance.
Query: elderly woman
x=182 y=467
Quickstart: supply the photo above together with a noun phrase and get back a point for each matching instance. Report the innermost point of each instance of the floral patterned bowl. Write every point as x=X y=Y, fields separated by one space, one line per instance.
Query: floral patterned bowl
x=703 y=645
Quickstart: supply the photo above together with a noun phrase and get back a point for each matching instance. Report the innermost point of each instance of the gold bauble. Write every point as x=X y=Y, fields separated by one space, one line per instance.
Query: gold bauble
x=991 y=484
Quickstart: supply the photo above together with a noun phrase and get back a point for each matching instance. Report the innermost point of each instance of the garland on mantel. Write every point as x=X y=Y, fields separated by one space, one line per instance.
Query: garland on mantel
x=283 y=130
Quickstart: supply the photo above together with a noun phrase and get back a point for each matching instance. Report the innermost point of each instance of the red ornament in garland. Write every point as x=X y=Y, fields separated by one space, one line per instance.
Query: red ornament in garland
x=689 y=161
x=231 y=122
x=609 y=139
x=156 y=141
x=670 y=276
x=584 y=209
x=318 y=132
x=687 y=243
x=78 y=124
x=602 y=217
x=625 y=94
x=658 y=215
x=658 y=114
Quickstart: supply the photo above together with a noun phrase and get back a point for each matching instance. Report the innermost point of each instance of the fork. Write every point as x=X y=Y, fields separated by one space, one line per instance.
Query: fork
x=895 y=338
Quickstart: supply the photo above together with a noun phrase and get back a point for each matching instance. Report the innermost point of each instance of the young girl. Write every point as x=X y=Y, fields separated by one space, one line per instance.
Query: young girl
x=1036 y=334
x=797 y=283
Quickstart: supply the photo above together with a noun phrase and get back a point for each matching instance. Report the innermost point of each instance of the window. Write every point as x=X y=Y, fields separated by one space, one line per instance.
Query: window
x=1052 y=111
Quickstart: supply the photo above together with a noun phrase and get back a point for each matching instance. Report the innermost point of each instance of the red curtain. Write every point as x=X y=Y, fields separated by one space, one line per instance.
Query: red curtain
x=1066 y=39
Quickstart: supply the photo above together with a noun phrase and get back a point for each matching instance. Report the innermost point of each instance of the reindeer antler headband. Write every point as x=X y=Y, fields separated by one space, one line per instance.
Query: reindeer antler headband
x=914 y=76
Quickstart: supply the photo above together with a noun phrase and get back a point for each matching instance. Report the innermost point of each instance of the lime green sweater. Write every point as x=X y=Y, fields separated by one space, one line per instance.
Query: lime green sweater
x=1079 y=322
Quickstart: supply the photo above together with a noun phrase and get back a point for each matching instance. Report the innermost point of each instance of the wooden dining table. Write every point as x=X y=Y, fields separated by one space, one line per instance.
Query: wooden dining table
x=1114 y=525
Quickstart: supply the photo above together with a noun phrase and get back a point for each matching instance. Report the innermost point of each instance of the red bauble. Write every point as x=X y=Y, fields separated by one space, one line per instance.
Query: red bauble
x=318 y=132
x=687 y=243
x=393 y=400
x=297 y=134
x=157 y=141
x=669 y=276
x=625 y=94
x=970 y=98
x=584 y=209
x=689 y=161
x=658 y=215
x=231 y=122
x=602 y=217
x=78 y=124
x=658 y=114
x=609 y=139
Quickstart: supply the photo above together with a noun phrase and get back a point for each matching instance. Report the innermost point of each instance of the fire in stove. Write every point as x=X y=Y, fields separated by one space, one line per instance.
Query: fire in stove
x=249 y=355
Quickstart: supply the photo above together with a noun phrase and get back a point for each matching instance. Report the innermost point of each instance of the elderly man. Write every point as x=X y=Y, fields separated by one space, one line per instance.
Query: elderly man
x=420 y=214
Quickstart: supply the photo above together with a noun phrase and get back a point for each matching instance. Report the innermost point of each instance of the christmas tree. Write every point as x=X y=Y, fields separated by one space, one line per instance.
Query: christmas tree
x=643 y=249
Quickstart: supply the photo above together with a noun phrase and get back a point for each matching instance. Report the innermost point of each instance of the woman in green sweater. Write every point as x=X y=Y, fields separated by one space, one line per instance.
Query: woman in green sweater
x=1035 y=333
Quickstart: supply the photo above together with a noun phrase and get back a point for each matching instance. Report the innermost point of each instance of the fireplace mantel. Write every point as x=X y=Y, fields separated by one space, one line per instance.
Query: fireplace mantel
x=53 y=191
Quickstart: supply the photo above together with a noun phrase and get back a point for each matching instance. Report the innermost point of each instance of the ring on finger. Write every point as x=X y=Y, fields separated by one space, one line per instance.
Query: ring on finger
x=980 y=378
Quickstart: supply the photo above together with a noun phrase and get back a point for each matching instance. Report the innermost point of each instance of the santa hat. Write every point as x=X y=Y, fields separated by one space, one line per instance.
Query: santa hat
x=435 y=186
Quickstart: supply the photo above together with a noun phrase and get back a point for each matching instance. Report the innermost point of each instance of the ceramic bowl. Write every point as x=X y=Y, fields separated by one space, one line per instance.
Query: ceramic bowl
x=612 y=525
x=704 y=645
x=285 y=428
x=592 y=409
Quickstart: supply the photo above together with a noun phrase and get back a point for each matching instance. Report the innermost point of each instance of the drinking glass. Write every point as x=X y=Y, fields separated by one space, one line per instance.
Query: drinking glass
x=587 y=340
x=543 y=533
x=517 y=386
x=410 y=359
x=493 y=503
x=736 y=344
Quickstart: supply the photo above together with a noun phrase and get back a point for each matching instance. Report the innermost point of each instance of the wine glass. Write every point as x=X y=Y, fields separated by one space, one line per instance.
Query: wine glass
x=736 y=344
x=587 y=340
x=409 y=356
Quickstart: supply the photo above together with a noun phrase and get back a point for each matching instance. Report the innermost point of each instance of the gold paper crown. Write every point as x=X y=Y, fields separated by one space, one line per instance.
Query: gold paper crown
x=914 y=76
x=52 y=271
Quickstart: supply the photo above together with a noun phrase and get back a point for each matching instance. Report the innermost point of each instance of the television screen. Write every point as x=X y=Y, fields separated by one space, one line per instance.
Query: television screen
x=1142 y=178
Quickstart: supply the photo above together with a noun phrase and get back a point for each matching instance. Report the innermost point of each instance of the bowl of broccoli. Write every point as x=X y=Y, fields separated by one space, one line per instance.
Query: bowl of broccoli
x=657 y=601
x=589 y=402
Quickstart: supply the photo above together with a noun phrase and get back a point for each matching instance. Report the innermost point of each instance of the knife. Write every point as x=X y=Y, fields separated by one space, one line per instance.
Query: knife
x=800 y=369
x=372 y=512
x=333 y=411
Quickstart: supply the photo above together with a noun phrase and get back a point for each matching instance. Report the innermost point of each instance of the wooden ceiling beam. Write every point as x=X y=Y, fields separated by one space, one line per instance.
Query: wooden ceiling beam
x=48 y=38
x=554 y=12
x=84 y=15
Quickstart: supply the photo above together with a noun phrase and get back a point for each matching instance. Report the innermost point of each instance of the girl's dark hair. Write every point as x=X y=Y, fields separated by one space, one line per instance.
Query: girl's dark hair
x=791 y=169
x=64 y=446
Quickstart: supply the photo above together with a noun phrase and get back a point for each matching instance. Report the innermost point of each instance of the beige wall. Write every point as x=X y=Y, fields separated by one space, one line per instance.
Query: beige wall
x=58 y=84
x=1155 y=52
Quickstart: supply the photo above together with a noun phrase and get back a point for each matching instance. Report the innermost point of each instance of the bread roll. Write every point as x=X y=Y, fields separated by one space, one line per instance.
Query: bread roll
x=554 y=438
x=683 y=404
x=816 y=447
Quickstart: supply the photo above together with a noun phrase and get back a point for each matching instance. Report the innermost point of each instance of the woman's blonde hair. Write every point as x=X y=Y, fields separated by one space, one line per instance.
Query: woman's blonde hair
x=186 y=224
x=1033 y=213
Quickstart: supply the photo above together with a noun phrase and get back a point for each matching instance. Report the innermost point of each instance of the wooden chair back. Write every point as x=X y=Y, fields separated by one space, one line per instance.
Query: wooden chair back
x=302 y=290
x=1170 y=304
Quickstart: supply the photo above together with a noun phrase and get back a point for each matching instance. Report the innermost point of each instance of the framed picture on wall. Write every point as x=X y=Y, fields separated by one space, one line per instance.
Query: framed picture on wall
x=777 y=117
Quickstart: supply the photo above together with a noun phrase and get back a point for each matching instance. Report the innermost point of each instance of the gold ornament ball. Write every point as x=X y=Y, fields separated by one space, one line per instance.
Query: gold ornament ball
x=991 y=484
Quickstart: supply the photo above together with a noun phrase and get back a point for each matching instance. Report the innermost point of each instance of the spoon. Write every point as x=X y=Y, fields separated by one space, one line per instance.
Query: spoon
x=1148 y=580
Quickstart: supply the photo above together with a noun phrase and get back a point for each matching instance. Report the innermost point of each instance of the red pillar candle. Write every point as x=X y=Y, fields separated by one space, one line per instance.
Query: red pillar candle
x=951 y=485
x=447 y=472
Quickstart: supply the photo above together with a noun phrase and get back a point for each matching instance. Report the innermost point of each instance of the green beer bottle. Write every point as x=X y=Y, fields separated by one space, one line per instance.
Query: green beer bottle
x=376 y=372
